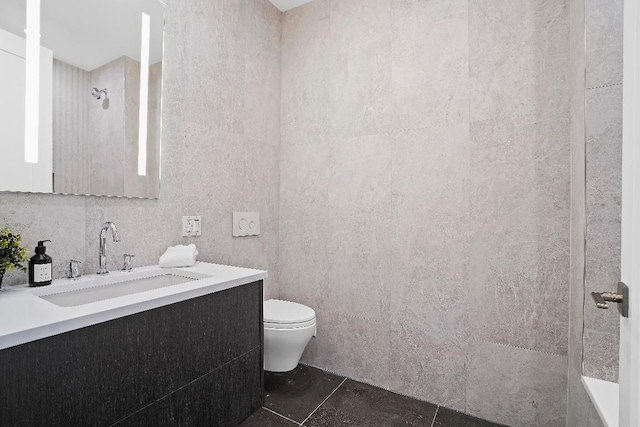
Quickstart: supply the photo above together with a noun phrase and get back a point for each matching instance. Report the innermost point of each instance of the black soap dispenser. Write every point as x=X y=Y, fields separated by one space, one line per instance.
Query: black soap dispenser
x=40 y=266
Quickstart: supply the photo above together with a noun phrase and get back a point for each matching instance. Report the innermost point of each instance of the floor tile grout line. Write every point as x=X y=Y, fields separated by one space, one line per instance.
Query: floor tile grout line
x=435 y=415
x=322 y=403
x=281 y=416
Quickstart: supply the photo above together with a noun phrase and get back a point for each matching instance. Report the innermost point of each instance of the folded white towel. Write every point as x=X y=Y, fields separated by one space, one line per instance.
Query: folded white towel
x=179 y=256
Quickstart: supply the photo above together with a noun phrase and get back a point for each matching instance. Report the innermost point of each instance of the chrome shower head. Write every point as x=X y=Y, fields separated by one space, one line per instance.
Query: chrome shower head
x=97 y=93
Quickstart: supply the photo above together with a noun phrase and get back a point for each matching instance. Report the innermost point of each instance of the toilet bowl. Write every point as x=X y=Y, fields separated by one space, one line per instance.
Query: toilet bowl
x=288 y=327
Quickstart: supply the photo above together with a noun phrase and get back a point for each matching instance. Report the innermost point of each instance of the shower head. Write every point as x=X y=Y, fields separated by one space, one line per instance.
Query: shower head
x=97 y=94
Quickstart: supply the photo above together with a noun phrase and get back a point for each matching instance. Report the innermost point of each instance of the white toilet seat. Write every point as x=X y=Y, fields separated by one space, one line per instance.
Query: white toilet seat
x=287 y=313
x=272 y=325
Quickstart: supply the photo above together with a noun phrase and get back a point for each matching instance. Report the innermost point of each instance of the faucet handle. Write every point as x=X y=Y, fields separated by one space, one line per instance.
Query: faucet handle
x=127 y=262
x=74 y=269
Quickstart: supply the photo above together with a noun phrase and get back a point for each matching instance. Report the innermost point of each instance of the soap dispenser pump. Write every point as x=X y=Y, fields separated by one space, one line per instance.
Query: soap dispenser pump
x=40 y=266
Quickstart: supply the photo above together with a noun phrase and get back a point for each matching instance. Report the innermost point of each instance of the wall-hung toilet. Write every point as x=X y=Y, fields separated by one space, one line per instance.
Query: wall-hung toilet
x=288 y=327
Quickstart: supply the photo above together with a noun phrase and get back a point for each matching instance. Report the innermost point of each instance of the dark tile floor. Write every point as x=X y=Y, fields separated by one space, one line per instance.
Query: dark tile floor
x=310 y=397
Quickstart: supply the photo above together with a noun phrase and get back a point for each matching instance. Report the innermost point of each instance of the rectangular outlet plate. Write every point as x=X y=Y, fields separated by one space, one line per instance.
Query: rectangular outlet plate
x=191 y=226
x=246 y=224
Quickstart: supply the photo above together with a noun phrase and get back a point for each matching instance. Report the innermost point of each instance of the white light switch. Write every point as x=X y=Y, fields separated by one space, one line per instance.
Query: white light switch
x=191 y=226
x=246 y=224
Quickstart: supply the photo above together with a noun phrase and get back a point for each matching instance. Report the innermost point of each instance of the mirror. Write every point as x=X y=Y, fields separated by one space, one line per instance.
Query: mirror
x=71 y=92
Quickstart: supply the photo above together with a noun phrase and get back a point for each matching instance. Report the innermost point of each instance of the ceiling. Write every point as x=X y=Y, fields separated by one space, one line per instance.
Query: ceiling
x=89 y=34
x=285 y=5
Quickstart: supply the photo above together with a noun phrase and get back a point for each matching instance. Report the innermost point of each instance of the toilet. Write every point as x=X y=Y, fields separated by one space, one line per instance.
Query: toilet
x=288 y=327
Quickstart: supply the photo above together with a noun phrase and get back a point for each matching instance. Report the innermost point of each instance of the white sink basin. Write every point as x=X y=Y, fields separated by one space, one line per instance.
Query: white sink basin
x=93 y=289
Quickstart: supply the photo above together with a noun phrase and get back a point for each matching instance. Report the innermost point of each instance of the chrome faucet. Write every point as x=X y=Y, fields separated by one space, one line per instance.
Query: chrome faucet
x=103 y=244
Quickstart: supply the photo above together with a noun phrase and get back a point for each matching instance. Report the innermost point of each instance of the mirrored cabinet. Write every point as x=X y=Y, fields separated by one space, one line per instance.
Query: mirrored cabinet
x=80 y=96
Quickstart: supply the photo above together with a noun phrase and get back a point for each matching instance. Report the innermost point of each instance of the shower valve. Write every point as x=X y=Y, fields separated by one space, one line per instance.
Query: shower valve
x=621 y=298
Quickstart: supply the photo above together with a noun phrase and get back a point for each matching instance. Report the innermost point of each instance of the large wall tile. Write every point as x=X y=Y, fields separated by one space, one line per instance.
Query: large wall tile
x=601 y=351
x=305 y=74
x=430 y=233
x=604 y=153
x=263 y=29
x=519 y=58
x=355 y=347
x=603 y=228
x=519 y=261
x=262 y=99
x=359 y=219
x=303 y=222
x=605 y=27
x=515 y=386
x=358 y=22
x=429 y=84
x=438 y=375
x=360 y=90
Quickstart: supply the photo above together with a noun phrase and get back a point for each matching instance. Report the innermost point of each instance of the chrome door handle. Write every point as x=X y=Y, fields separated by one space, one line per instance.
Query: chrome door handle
x=621 y=298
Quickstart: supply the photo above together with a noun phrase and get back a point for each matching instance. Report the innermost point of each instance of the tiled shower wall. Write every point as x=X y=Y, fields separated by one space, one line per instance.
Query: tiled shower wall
x=603 y=118
x=596 y=145
x=424 y=197
x=220 y=137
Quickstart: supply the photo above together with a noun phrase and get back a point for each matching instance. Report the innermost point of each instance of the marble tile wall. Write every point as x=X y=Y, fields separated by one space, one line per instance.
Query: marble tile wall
x=603 y=118
x=596 y=141
x=220 y=137
x=425 y=197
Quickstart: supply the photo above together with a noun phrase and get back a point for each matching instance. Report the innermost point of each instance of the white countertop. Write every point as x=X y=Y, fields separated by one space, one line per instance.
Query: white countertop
x=25 y=317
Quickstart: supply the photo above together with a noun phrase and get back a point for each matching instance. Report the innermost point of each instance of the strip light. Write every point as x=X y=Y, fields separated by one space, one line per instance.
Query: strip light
x=32 y=92
x=144 y=95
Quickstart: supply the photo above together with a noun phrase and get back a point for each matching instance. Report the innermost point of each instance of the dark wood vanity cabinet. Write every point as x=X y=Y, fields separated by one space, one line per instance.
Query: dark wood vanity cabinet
x=193 y=363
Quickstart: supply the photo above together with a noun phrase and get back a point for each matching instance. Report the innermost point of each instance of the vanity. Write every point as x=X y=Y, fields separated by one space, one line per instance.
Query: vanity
x=148 y=347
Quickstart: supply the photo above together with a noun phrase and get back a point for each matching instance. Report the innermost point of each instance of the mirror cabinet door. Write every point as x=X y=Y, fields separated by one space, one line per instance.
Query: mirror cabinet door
x=80 y=96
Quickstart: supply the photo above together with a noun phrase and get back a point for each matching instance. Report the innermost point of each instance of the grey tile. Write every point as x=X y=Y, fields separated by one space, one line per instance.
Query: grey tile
x=603 y=226
x=438 y=375
x=354 y=23
x=519 y=259
x=358 y=404
x=604 y=153
x=297 y=393
x=429 y=85
x=305 y=74
x=359 y=217
x=519 y=58
x=604 y=32
x=360 y=88
x=355 y=347
x=514 y=386
x=303 y=223
x=448 y=418
x=265 y=418
x=264 y=28
x=262 y=98
x=601 y=350
x=430 y=250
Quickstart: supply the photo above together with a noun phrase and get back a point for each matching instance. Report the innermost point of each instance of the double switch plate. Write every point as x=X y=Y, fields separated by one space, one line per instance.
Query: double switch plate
x=191 y=226
x=246 y=224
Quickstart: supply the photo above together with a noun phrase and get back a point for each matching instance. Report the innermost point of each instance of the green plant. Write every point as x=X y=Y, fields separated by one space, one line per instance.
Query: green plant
x=12 y=253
